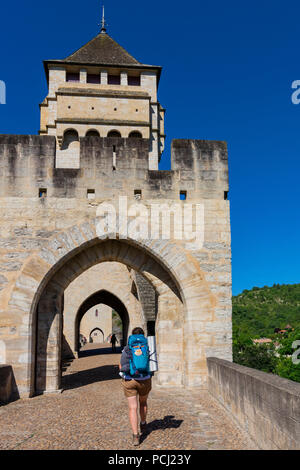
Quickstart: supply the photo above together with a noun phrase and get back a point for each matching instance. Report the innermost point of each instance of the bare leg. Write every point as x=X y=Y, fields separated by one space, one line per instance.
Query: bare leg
x=143 y=408
x=132 y=403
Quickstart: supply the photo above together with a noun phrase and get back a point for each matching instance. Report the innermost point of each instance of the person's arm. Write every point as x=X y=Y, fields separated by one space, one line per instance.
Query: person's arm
x=125 y=359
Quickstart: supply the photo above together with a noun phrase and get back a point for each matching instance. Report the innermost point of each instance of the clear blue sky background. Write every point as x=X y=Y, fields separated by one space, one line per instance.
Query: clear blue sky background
x=228 y=69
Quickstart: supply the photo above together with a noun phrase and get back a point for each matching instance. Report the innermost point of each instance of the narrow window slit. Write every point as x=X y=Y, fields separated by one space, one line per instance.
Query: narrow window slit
x=91 y=194
x=42 y=193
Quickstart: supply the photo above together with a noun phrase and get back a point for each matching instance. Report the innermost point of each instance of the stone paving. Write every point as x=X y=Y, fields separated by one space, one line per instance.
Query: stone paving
x=91 y=413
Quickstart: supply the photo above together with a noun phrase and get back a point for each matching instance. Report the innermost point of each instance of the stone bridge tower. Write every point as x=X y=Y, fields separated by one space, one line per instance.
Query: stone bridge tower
x=101 y=90
x=101 y=138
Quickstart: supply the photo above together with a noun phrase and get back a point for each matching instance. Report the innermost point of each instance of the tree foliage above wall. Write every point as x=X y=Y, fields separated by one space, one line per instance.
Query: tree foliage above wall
x=259 y=311
x=273 y=313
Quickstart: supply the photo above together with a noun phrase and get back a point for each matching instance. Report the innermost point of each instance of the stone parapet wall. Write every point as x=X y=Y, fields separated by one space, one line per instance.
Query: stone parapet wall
x=266 y=405
x=28 y=163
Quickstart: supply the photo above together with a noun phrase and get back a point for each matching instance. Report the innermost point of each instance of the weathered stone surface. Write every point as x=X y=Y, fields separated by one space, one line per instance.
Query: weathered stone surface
x=50 y=188
x=3 y=281
x=264 y=404
x=10 y=266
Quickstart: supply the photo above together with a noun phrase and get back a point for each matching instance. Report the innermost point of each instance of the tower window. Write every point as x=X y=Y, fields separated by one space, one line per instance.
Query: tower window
x=138 y=194
x=92 y=133
x=183 y=195
x=225 y=195
x=114 y=134
x=135 y=135
x=114 y=79
x=91 y=194
x=73 y=77
x=134 y=81
x=93 y=78
x=42 y=193
x=70 y=136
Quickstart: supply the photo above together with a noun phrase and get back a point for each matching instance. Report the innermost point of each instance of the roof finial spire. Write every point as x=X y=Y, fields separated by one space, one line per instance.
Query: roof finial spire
x=103 y=22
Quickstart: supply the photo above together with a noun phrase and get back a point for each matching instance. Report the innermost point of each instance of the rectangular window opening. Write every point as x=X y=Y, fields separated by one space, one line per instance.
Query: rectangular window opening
x=91 y=194
x=114 y=158
x=72 y=77
x=138 y=194
x=225 y=195
x=114 y=80
x=134 y=81
x=42 y=193
x=93 y=78
x=183 y=195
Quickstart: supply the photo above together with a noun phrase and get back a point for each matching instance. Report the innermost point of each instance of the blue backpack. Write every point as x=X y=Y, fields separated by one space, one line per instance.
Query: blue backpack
x=139 y=361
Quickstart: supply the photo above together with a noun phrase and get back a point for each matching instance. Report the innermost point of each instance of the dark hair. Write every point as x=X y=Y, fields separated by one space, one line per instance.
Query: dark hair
x=138 y=331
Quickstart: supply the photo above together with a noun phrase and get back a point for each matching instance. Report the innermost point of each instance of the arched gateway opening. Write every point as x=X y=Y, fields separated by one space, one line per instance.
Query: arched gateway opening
x=95 y=331
x=47 y=308
x=106 y=298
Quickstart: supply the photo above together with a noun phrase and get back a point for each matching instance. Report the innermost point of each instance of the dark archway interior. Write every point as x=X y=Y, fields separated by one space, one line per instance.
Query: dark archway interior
x=107 y=298
x=92 y=133
x=135 y=135
x=114 y=134
x=70 y=136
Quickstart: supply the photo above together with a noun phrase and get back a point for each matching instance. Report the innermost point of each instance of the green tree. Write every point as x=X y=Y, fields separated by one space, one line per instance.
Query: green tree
x=286 y=369
x=257 y=356
x=286 y=342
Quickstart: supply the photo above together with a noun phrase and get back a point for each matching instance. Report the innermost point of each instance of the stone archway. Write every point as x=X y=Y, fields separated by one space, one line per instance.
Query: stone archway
x=106 y=298
x=107 y=276
x=96 y=329
x=186 y=304
x=50 y=312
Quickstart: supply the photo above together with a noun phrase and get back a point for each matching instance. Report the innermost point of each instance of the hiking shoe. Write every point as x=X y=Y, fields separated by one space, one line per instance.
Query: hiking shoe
x=143 y=428
x=136 y=439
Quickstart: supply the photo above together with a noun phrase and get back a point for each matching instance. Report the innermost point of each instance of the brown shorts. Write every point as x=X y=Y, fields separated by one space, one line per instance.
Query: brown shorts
x=132 y=388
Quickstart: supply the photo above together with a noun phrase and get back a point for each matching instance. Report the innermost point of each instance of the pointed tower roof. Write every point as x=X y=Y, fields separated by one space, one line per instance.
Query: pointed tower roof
x=102 y=50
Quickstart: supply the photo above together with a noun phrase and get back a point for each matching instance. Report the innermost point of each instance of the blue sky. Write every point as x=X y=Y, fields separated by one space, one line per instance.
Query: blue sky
x=228 y=70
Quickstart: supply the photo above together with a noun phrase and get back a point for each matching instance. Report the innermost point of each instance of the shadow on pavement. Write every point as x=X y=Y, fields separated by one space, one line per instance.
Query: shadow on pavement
x=66 y=364
x=86 y=377
x=98 y=352
x=168 y=422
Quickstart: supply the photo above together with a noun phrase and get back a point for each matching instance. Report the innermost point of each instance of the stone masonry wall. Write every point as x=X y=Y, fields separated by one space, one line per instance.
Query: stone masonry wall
x=27 y=163
x=39 y=235
x=266 y=405
x=103 y=321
